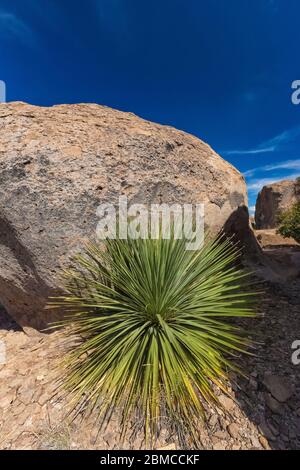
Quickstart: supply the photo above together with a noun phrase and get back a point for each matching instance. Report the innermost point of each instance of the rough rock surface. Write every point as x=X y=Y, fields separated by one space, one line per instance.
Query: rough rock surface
x=58 y=164
x=274 y=199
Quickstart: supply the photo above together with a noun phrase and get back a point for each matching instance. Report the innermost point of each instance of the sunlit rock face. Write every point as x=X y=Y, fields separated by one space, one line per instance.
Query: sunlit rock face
x=274 y=199
x=58 y=164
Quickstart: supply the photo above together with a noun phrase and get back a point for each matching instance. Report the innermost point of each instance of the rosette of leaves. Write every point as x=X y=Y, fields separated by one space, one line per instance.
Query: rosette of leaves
x=155 y=328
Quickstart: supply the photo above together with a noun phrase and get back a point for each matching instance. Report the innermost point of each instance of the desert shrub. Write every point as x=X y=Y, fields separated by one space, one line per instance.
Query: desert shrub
x=289 y=223
x=153 y=326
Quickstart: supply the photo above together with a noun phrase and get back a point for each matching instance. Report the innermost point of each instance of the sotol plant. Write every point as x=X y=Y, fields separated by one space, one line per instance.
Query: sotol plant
x=153 y=328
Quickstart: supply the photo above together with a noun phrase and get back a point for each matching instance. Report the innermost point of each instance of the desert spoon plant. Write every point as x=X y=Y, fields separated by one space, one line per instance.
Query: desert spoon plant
x=154 y=329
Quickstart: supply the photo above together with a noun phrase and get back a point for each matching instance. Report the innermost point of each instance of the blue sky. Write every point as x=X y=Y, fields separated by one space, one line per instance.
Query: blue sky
x=219 y=69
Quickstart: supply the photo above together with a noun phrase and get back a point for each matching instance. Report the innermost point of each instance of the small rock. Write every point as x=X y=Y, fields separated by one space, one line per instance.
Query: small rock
x=273 y=404
x=226 y=402
x=221 y=445
x=264 y=442
x=213 y=420
x=278 y=386
x=255 y=442
x=235 y=447
x=224 y=423
x=233 y=430
x=171 y=446
x=220 y=435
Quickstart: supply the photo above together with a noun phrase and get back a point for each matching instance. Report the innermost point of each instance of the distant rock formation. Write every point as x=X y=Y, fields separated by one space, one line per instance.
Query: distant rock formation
x=274 y=199
x=58 y=164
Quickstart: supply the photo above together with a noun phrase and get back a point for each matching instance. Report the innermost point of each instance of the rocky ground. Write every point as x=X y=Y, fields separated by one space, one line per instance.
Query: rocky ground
x=269 y=238
x=266 y=414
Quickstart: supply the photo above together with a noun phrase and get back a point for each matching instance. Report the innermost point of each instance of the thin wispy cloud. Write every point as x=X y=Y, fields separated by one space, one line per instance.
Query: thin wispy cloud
x=271 y=145
x=285 y=137
x=11 y=26
x=248 y=152
x=285 y=165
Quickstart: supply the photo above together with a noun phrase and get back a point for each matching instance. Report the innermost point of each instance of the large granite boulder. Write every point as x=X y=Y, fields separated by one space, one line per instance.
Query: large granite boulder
x=58 y=164
x=274 y=199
